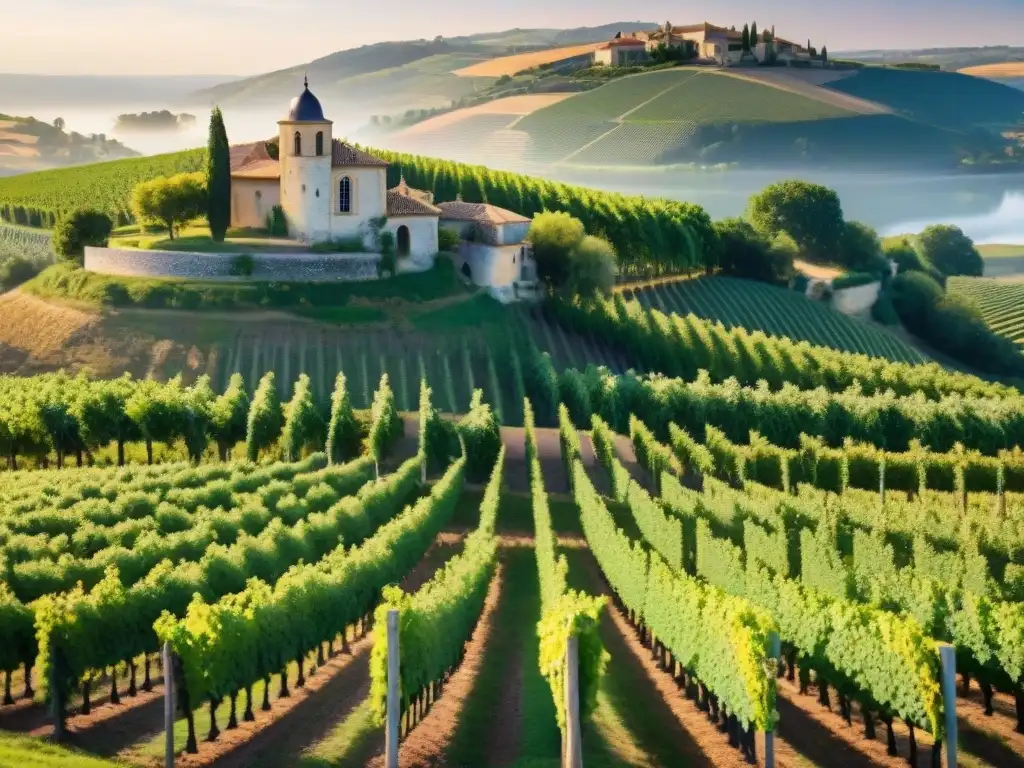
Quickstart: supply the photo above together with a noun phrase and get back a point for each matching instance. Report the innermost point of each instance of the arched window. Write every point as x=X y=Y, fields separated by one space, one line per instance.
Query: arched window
x=345 y=195
x=298 y=143
x=320 y=144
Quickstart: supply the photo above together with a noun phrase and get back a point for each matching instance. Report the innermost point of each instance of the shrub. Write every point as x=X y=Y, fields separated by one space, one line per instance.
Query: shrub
x=860 y=248
x=952 y=326
x=277 y=223
x=746 y=253
x=950 y=251
x=592 y=268
x=853 y=279
x=882 y=311
x=340 y=245
x=243 y=265
x=447 y=240
x=914 y=294
x=74 y=232
x=554 y=236
x=16 y=271
x=387 y=264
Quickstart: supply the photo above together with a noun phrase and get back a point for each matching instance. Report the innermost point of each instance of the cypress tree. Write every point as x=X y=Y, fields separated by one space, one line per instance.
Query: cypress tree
x=753 y=36
x=218 y=177
x=746 y=37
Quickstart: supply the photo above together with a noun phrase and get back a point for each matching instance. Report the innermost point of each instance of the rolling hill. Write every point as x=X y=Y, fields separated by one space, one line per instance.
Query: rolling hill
x=1000 y=302
x=395 y=76
x=755 y=117
x=27 y=144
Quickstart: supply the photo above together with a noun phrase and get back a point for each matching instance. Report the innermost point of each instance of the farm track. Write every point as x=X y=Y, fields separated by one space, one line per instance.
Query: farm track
x=698 y=741
x=281 y=736
x=427 y=743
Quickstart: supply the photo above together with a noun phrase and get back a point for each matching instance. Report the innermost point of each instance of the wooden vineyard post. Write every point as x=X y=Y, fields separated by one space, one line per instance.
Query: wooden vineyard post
x=394 y=710
x=168 y=664
x=775 y=652
x=573 y=757
x=947 y=655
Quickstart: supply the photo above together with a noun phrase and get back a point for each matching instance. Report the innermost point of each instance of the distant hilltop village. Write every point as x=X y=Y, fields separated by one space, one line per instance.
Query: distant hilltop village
x=705 y=43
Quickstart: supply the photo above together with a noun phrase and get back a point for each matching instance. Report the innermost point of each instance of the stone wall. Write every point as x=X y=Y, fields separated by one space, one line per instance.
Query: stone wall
x=267 y=267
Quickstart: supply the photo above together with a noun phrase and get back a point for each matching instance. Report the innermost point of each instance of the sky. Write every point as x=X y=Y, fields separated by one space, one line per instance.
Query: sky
x=242 y=37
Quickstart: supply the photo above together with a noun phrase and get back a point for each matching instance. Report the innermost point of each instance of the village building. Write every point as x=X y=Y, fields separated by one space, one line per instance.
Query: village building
x=328 y=189
x=622 y=51
x=493 y=249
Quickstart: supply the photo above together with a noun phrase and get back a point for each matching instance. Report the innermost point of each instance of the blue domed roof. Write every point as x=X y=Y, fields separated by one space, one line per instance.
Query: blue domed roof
x=306 y=108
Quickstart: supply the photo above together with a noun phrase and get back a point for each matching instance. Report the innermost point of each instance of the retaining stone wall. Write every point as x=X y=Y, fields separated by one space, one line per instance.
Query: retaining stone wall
x=267 y=267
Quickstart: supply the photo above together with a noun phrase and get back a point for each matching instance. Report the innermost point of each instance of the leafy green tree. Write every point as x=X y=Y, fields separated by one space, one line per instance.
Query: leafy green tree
x=265 y=418
x=809 y=213
x=303 y=425
x=229 y=415
x=218 y=177
x=747 y=253
x=80 y=229
x=950 y=251
x=554 y=236
x=753 y=35
x=171 y=201
x=860 y=248
x=592 y=268
x=343 y=434
x=746 y=38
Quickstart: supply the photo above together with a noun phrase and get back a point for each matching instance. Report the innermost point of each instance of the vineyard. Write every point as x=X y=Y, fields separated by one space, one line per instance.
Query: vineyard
x=1001 y=303
x=761 y=307
x=776 y=558
x=25 y=243
x=27 y=198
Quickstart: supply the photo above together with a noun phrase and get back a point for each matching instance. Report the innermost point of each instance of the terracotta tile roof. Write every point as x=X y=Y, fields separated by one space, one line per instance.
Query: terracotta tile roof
x=629 y=42
x=258 y=169
x=403 y=200
x=479 y=212
x=244 y=154
x=346 y=154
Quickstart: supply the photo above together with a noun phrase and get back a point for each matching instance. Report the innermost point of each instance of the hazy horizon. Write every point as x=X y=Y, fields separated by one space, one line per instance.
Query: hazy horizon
x=246 y=37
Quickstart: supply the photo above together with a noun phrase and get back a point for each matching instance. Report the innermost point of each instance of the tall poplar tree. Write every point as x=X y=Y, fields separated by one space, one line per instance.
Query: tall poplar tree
x=746 y=37
x=753 y=36
x=218 y=177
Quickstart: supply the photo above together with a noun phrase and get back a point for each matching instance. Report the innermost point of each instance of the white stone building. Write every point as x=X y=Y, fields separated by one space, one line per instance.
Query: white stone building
x=621 y=51
x=493 y=250
x=329 y=190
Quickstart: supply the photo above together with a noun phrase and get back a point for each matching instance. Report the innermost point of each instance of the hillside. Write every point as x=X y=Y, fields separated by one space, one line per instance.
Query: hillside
x=776 y=311
x=755 y=117
x=27 y=144
x=949 y=59
x=1000 y=302
x=106 y=186
x=395 y=76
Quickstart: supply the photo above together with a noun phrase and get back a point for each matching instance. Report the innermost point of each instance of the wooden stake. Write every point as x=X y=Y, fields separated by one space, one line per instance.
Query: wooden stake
x=947 y=655
x=168 y=706
x=573 y=739
x=394 y=710
x=775 y=651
